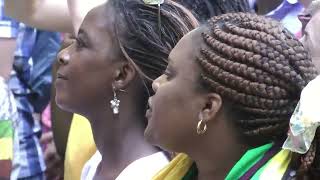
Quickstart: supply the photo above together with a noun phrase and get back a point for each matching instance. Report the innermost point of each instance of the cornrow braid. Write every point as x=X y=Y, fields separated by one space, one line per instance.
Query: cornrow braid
x=260 y=69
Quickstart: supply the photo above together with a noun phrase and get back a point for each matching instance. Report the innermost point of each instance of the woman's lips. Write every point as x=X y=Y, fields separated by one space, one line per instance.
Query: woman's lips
x=60 y=76
x=148 y=114
x=149 y=110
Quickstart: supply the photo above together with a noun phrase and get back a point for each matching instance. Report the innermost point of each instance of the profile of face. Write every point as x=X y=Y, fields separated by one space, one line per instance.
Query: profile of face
x=218 y=74
x=85 y=70
x=311 y=39
x=179 y=102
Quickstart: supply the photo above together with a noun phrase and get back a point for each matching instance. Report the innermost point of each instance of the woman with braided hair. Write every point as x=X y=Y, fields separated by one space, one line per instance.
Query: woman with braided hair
x=105 y=76
x=226 y=98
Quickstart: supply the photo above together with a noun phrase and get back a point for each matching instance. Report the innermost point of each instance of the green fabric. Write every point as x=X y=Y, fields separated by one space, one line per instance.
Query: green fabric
x=256 y=176
x=249 y=159
x=6 y=129
x=192 y=173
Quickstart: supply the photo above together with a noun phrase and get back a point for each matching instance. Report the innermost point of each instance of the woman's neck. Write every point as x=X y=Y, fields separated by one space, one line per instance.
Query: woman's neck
x=219 y=165
x=120 y=140
x=215 y=156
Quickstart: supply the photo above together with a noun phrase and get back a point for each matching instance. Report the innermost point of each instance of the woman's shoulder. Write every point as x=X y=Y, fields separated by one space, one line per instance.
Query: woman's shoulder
x=90 y=168
x=144 y=168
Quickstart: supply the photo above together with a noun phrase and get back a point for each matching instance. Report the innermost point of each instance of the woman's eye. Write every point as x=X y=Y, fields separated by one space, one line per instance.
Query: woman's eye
x=168 y=75
x=79 y=43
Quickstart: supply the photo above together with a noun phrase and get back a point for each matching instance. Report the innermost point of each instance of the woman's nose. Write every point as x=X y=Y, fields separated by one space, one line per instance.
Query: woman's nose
x=63 y=56
x=156 y=84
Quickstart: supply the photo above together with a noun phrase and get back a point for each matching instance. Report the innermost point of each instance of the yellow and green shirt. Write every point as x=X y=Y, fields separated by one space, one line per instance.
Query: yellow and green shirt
x=8 y=116
x=261 y=163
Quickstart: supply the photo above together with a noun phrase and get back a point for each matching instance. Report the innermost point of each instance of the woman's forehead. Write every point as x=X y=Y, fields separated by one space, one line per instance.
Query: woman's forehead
x=189 y=46
x=99 y=23
x=100 y=17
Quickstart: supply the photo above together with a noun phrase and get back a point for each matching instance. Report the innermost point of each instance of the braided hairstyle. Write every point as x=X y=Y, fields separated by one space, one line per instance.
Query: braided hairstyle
x=145 y=39
x=260 y=69
x=205 y=9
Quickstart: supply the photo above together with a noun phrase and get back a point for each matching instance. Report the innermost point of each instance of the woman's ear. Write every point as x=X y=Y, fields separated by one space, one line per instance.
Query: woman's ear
x=123 y=75
x=212 y=105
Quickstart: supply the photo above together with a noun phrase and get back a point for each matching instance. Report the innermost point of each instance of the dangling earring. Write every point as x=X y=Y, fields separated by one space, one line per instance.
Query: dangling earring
x=115 y=102
x=202 y=126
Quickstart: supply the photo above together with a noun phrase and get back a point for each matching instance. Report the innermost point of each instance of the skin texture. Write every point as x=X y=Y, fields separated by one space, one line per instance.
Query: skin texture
x=54 y=163
x=87 y=71
x=311 y=39
x=174 y=129
x=7 y=46
x=43 y=14
x=5 y=169
x=61 y=119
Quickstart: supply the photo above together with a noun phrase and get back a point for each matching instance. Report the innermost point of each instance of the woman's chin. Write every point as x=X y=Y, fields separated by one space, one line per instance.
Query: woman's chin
x=62 y=103
x=149 y=136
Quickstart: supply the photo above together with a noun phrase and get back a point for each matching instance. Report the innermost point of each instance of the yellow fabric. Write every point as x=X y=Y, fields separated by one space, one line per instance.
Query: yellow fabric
x=180 y=165
x=6 y=149
x=80 y=147
x=176 y=169
x=277 y=166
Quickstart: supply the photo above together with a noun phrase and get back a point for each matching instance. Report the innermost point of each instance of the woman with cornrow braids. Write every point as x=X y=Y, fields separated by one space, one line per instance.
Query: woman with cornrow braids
x=225 y=102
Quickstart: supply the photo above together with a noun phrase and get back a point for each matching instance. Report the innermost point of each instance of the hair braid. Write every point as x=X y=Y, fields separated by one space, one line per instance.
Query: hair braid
x=244 y=99
x=271 y=112
x=261 y=89
x=255 y=122
x=247 y=71
x=259 y=67
x=276 y=66
x=309 y=162
x=274 y=129
x=308 y=158
x=257 y=60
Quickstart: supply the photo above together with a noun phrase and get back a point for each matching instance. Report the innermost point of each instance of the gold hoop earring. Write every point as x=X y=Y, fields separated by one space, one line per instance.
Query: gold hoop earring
x=201 y=127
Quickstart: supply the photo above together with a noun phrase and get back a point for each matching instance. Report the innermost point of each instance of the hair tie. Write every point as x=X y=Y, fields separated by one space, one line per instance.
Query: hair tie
x=156 y=2
x=153 y=2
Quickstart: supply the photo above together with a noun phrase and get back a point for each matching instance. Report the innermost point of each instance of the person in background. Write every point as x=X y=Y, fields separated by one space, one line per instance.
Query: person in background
x=311 y=39
x=8 y=110
x=8 y=34
x=30 y=84
x=43 y=14
x=205 y=9
x=287 y=13
x=8 y=119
